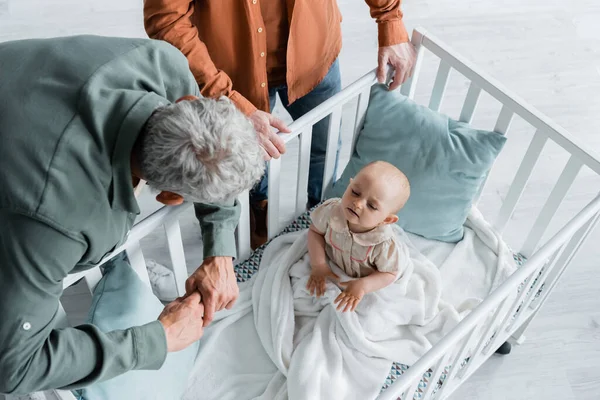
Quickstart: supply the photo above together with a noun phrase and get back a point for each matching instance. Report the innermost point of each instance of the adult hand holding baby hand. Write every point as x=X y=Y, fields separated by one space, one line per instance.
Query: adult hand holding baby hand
x=183 y=321
x=316 y=281
x=215 y=281
x=351 y=296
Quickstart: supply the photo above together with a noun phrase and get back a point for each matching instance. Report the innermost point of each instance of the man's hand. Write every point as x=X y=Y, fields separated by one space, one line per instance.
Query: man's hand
x=183 y=321
x=269 y=140
x=316 y=281
x=351 y=296
x=215 y=280
x=400 y=56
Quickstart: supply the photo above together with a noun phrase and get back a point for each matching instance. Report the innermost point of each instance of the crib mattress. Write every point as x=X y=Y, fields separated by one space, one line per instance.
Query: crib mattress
x=433 y=250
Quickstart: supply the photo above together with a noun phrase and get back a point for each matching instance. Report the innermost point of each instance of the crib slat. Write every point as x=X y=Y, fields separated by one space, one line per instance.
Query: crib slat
x=136 y=258
x=573 y=247
x=435 y=377
x=61 y=317
x=274 y=199
x=520 y=180
x=460 y=357
x=410 y=393
x=64 y=395
x=243 y=229
x=332 y=143
x=517 y=304
x=359 y=118
x=439 y=87
x=556 y=197
x=504 y=120
x=530 y=292
x=455 y=366
x=92 y=278
x=303 y=168
x=512 y=310
x=175 y=243
x=408 y=88
x=488 y=331
x=470 y=104
x=502 y=125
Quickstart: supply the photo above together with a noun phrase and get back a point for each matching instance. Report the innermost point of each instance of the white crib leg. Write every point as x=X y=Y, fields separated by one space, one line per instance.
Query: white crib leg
x=243 y=229
x=562 y=186
x=92 y=278
x=335 y=120
x=175 y=243
x=409 y=86
x=303 y=169
x=61 y=314
x=138 y=263
x=274 y=191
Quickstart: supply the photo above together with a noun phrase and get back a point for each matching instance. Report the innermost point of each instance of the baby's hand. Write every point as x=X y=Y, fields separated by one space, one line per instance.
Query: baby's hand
x=316 y=281
x=351 y=296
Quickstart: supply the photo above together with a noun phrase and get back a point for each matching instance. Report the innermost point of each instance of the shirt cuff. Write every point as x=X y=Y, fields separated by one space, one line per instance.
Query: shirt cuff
x=391 y=32
x=242 y=103
x=150 y=344
x=220 y=243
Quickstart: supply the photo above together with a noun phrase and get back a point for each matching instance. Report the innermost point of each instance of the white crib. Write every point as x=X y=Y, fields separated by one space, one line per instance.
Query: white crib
x=492 y=318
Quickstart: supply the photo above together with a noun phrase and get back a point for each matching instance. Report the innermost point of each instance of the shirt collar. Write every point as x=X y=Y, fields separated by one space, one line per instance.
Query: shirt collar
x=122 y=196
x=377 y=235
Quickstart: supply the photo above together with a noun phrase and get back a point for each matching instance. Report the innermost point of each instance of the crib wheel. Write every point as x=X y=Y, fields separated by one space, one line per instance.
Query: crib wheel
x=504 y=349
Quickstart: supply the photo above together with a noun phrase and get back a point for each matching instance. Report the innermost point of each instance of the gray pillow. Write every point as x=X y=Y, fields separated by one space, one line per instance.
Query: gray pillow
x=446 y=161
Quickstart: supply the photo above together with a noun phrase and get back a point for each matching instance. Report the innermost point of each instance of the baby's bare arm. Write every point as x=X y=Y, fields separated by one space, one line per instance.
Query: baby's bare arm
x=356 y=289
x=320 y=270
x=377 y=280
x=316 y=248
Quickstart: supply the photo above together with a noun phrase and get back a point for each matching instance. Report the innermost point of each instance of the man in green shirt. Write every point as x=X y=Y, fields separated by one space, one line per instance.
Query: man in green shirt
x=82 y=119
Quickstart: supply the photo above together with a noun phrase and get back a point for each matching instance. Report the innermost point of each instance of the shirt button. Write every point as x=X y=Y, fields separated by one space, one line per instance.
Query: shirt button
x=263 y=84
x=254 y=1
x=262 y=54
x=26 y=326
x=259 y=30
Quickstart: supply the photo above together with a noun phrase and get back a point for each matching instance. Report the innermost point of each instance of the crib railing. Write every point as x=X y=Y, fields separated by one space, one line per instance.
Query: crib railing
x=506 y=313
x=503 y=315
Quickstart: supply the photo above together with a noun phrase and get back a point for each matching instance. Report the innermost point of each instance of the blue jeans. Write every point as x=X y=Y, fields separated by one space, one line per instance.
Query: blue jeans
x=329 y=86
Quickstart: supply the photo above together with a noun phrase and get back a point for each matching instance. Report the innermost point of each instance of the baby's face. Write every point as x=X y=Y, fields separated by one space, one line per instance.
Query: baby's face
x=367 y=201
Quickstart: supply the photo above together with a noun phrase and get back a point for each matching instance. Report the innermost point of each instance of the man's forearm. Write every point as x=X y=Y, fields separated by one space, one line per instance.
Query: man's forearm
x=218 y=224
x=390 y=26
x=76 y=357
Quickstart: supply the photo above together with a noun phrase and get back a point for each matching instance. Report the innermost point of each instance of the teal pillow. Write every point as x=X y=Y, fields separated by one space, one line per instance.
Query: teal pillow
x=121 y=300
x=445 y=161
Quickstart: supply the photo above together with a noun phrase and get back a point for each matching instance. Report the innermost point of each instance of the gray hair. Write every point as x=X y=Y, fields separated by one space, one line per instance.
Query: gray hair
x=205 y=150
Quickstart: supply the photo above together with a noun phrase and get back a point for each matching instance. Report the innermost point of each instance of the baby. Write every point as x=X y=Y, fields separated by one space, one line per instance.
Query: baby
x=354 y=232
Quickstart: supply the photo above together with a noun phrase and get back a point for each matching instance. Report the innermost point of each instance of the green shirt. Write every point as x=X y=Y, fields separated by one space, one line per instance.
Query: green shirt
x=70 y=112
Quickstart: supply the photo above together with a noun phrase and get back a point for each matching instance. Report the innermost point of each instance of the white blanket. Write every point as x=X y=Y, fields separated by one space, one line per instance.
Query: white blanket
x=278 y=342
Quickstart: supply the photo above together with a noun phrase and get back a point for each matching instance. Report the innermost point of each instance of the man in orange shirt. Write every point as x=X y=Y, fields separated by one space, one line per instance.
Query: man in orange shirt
x=252 y=50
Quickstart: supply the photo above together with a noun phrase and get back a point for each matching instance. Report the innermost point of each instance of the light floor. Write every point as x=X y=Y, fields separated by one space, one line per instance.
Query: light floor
x=547 y=51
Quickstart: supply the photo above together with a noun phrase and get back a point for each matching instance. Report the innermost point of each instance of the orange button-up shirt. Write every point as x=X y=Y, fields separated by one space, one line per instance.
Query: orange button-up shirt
x=275 y=17
x=226 y=44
